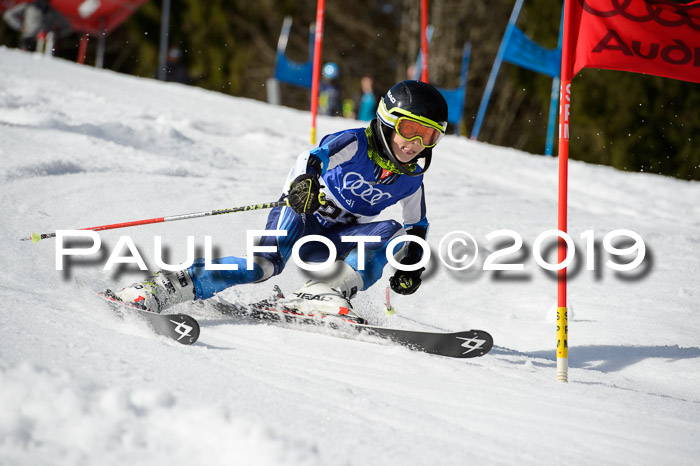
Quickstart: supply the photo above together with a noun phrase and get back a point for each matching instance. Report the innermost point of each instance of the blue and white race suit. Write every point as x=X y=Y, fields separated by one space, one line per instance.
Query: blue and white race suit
x=355 y=193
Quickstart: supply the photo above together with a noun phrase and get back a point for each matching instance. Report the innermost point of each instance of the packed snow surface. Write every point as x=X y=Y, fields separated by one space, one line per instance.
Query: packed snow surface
x=82 y=147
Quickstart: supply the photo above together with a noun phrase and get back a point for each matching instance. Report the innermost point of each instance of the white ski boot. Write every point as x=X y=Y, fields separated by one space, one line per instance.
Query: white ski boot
x=157 y=293
x=319 y=299
x=330 y=298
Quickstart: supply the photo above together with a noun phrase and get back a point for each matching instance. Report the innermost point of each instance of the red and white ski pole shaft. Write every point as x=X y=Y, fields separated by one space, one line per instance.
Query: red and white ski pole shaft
x=389 y=308
x=35 y=237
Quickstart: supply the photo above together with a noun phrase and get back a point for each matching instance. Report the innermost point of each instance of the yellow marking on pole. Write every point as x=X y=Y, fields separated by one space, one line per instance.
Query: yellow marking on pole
x=562 y=345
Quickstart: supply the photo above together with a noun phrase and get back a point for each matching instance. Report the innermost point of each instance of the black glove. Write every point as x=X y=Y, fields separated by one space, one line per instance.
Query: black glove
x=406 y=282
x=305 y=194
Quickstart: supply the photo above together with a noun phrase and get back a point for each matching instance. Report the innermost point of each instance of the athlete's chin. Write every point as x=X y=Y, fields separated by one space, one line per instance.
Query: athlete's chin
x=407 y=155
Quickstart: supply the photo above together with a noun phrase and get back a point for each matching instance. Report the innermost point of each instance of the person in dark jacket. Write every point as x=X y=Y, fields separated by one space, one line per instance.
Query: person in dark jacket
x=329 y=98
x=176 y=71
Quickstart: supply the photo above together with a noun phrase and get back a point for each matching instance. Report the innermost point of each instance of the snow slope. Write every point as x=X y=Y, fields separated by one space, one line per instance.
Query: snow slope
x=82 y=147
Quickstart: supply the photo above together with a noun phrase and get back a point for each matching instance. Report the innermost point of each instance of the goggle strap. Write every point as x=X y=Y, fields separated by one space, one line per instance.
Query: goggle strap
x=388 y=118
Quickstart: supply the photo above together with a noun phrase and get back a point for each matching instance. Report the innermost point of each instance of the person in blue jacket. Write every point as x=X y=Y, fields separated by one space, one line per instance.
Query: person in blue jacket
x=336 y=190
x=367 y=99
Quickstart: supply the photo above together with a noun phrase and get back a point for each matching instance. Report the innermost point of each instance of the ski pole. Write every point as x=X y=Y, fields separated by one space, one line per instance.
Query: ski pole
x=36 y=237
x=389 y=309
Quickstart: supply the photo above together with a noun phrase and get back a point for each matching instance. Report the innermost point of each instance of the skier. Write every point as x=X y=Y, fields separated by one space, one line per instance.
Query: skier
x=335 y=190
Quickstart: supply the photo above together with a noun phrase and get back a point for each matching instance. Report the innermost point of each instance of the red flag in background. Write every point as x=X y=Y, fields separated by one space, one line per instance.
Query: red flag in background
x=657 y=37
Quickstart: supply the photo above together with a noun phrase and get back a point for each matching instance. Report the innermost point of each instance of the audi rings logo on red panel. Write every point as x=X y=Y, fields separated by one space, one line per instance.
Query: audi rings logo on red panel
x=678 y=15
x=642 y=36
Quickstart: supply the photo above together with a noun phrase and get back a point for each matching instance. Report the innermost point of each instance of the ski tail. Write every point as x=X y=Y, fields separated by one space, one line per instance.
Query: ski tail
x=180 y=327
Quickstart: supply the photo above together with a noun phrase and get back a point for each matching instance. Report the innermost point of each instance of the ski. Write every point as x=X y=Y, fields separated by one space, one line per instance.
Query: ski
x=464 y=344
x=180 y=327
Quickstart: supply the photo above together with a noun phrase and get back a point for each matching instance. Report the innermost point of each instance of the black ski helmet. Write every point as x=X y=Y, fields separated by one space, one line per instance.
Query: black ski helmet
x=415 y=100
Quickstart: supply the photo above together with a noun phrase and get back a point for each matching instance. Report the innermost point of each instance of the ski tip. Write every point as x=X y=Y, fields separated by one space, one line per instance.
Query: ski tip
x=36 y=237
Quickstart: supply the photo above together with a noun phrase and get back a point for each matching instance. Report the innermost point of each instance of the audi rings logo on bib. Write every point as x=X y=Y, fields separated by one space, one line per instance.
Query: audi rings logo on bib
x=356 y=184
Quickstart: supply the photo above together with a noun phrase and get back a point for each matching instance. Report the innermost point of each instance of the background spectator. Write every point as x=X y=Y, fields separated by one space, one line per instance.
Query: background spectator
x=329 y=99
x=367 y=100
x=176 y=71
x=34 y=20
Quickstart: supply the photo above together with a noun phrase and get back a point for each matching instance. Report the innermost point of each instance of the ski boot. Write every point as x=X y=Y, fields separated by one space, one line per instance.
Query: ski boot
x=318 y=299
x=157 y=293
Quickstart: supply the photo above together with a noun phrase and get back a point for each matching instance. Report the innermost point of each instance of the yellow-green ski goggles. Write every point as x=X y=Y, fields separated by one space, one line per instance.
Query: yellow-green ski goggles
x=411 y=127
x=410 y=130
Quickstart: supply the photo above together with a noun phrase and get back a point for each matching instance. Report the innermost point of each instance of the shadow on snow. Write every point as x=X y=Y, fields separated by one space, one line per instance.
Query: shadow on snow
x=606 y=358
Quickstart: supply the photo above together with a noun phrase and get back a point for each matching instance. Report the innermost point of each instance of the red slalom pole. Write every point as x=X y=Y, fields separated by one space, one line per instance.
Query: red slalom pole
x=82 y=49
x=424 y=39
x=318 y=44
x=564 y=122
x=36 y=237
